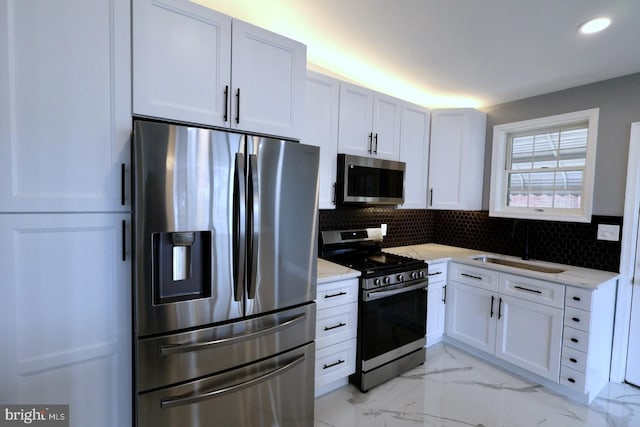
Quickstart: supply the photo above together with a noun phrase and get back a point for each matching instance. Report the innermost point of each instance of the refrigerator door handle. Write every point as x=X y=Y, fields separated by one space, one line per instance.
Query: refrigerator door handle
x=186 y=400
x=239 y=228
x=254 y=226
x=167 y=350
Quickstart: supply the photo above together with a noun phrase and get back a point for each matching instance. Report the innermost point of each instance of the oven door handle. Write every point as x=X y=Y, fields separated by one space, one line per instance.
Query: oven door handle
x=374 y=295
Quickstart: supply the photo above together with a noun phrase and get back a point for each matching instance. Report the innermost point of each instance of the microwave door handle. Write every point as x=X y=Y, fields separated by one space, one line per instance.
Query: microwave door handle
x=239 y=228
x=254 y=225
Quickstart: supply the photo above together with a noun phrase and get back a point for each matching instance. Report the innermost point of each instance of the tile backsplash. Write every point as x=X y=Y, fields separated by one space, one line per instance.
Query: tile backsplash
x=561 y=242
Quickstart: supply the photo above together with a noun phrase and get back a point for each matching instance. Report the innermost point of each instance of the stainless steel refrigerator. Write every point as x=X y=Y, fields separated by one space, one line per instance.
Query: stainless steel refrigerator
x=225 y=229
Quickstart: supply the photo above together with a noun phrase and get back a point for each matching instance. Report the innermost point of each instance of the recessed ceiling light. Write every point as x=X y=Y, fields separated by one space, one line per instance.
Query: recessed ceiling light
x=594 y=25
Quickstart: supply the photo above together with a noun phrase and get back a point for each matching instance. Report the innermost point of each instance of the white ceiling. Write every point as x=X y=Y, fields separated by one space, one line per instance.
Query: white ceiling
x=452 y=53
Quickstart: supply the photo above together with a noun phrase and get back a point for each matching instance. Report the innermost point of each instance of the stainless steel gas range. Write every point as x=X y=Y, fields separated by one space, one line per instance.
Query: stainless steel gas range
x=392 y=305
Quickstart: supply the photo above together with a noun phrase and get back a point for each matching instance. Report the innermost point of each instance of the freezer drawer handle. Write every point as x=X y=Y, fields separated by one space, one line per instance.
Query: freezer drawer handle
x=178 y=401
x=167 y=350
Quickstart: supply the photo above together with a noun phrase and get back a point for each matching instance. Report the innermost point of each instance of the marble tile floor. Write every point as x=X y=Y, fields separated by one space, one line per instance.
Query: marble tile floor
x=455 y=389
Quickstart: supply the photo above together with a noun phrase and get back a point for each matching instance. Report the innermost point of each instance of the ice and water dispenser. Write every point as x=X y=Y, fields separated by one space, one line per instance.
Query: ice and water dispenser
x=182 y=265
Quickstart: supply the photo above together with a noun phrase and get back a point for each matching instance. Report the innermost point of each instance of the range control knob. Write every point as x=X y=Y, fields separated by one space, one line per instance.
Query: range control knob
x=414 y=275
x=376 y=282
x=387 y=280
x=400 y=277
x=421 y=274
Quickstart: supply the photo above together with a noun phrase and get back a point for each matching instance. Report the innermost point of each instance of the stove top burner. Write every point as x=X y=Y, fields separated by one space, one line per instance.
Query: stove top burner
x=375 y=262
x=360 y=249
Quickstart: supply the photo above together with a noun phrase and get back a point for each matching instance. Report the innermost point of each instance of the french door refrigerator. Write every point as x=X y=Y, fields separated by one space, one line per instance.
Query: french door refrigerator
x=225 y=229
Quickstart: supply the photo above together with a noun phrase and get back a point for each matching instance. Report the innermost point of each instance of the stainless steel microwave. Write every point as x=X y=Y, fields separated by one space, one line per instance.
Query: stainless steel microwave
x=366 y=180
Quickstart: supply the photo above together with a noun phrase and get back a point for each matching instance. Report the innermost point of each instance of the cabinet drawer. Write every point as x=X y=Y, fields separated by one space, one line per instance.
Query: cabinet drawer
x=578 y=298
x=572 y=379
x=336 y=324
x=575 y=338
x=335 y=362
x=437 y=272
x=577 y=318
x=474 y=276
x=574 y=359
x=538 y=291
x=336 y=293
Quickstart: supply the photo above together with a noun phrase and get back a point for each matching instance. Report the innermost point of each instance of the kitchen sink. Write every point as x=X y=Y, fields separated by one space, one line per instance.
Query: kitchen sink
x=516 y=264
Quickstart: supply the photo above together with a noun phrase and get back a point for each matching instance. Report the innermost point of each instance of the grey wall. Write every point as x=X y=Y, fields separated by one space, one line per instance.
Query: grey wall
x=619 y=103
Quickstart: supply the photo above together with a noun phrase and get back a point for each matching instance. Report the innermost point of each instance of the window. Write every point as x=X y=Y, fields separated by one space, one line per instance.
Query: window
x=544 y=168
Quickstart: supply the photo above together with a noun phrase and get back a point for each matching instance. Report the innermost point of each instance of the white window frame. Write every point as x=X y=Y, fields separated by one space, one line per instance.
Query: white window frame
x=499 y=181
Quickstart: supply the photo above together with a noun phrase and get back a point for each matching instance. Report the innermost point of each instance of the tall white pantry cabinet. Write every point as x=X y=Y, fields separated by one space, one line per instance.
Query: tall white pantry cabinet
x=65 y=125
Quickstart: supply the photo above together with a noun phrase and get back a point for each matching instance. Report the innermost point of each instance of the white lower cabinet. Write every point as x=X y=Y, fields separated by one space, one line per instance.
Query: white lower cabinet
x=65 y=314
x=469 y=317
x=558 y=332
x=436 y=298
x=529 y=335
x=336 y=331
x=525 y=330
x=588 y=335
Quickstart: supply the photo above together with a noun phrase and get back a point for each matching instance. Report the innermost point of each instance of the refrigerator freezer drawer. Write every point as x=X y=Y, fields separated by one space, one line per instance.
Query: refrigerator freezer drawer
x=276 y=391
x=174 y=358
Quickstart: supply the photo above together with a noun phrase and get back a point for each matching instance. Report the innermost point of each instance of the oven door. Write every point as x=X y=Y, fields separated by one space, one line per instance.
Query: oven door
x=393 y=322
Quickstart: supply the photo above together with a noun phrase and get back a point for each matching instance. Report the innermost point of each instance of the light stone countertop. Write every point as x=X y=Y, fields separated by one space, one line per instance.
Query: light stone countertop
x=572 y=275
x=331 y=272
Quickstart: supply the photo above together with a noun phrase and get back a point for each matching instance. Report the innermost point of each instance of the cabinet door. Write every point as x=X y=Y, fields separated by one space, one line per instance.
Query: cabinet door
x=529 y=335
x=414 y=151
x=456 y=159
x=65 y=113
x=471 y=315
x=65 y=314
x=181 y=61
x=435 y=313
x=355 y=135
x=386 y=126
x=268 y=75
x=321 y=129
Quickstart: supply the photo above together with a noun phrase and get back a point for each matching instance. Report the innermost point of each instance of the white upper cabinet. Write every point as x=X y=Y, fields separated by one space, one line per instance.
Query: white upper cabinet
x=193 y=64
x=65 y=109
x=268 y=76
x=369 y=123
x=456 y=159
x=181 y=61
x=321 y=129
x=414 y=151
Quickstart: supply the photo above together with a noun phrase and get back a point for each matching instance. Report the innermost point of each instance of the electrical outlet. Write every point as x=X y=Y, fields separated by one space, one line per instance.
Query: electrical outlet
x=609 y=232
x=383 y=227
